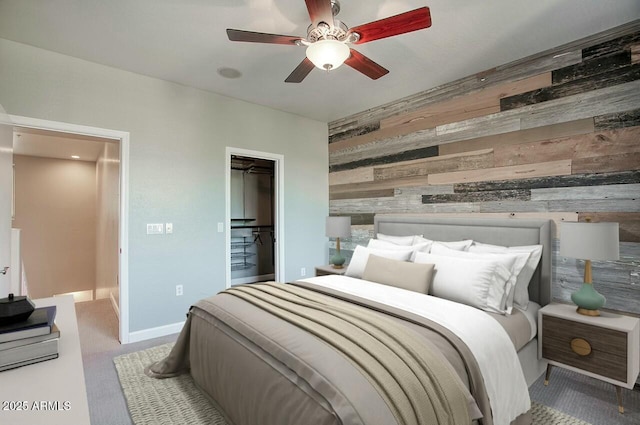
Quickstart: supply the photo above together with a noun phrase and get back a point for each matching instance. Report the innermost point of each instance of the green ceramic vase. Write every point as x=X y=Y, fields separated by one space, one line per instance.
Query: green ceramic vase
x=588 y=298
x=337 y=259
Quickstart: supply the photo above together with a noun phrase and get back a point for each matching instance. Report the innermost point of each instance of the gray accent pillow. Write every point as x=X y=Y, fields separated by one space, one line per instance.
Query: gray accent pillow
x=401 y=274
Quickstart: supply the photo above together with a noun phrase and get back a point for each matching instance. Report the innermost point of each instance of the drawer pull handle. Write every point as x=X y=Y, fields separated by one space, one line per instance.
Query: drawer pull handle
x=580 y=346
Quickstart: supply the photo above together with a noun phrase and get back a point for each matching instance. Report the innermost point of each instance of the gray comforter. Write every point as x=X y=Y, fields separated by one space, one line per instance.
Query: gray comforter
x=274 y=354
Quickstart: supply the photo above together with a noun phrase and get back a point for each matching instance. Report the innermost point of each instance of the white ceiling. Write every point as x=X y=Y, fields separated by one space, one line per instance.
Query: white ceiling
x=49 y=144
x=185 y=41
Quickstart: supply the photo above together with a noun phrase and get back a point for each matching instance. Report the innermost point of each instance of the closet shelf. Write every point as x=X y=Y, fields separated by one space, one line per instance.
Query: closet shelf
x=242 y=254
x=241 y=244
x=241 y=266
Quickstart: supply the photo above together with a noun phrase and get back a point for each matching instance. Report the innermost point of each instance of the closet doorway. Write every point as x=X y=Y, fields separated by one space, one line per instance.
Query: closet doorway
x=253 y=215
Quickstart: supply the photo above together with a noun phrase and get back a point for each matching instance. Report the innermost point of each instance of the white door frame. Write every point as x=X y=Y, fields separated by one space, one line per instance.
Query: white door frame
x=278 y=206
x=6 y=208
x=123 y=138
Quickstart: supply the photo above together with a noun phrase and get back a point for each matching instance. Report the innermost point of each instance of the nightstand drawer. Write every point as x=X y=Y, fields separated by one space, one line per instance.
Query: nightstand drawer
x=603 y=351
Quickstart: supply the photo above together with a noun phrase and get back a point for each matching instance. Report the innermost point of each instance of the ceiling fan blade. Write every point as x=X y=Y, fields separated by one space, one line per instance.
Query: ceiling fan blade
x=320 y=11
x=361 y=63
x=260 y=37
x=300 y=72
x=395 y=25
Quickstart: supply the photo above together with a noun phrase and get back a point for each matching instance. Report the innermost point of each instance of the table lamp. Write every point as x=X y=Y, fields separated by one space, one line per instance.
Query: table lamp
x=589 y=241
x=338 y=227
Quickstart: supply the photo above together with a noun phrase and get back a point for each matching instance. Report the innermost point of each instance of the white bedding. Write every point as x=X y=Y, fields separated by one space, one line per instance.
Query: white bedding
x=531 y=313
x=489 y=342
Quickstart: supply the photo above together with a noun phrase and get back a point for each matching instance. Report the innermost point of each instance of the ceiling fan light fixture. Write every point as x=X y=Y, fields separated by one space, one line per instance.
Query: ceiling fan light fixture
x=328 y=54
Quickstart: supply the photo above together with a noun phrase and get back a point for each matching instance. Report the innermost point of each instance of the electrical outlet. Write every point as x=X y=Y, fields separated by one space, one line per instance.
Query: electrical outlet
x=303 y=271
x=178 y=290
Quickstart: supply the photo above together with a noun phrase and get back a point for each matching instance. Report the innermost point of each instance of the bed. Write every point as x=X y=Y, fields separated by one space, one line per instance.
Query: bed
x=506 y=232
x=335 y=350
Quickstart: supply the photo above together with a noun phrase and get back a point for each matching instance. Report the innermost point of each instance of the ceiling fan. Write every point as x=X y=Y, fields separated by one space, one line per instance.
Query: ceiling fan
x=328 y=38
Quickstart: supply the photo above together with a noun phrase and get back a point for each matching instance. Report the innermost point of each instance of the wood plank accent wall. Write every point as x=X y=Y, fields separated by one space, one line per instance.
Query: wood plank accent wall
x=555 y=135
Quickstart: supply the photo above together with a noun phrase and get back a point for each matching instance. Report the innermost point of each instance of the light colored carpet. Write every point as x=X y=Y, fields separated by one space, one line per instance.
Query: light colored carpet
x=98 y=328
x=178 y=400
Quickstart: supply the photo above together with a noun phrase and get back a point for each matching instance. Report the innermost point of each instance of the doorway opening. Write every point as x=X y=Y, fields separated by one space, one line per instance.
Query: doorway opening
x=100 y=163
x=253 y=217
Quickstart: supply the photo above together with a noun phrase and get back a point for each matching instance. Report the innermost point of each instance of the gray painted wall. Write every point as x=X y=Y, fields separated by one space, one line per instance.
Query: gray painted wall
x=177 y=168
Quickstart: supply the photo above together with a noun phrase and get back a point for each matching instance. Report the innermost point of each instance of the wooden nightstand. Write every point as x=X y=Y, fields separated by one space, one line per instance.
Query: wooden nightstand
x=329 y=269
x=605 y=347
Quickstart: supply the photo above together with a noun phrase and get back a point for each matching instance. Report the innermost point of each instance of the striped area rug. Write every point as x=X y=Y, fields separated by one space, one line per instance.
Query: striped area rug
x=172 y=401
x=543 y=415
x=177 y=401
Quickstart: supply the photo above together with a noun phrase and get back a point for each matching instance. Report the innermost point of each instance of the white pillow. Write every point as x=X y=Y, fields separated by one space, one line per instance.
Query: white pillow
x=521 y=296
x=397 y=240
x=478 y=283
x=361 y=255
x=457 y=245
x=421 y=239
x=513 y=261
x=380 y=244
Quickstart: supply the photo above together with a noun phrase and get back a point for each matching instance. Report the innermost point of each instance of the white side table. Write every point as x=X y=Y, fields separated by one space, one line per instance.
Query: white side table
x=54 y=390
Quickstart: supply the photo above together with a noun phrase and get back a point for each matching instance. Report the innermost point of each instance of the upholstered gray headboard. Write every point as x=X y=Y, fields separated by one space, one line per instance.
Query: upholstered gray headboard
x=497 y=231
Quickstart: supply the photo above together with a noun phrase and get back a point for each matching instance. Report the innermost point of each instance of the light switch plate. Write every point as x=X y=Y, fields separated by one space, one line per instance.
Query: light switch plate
x=155 y=229
x=220 y=227
x=168 y=228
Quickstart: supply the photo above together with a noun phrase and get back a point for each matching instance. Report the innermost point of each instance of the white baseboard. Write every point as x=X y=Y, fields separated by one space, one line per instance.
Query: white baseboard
x=151 y=333
x=102 y=293
x=79 y=296
x=114 y=304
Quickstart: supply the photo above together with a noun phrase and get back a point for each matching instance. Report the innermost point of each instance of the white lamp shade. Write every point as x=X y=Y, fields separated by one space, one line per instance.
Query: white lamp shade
x=339 y=227
x=328 y=54
x=590 y=241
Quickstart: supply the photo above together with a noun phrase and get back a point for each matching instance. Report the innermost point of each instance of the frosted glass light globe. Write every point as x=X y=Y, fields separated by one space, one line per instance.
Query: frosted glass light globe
x=328 y=54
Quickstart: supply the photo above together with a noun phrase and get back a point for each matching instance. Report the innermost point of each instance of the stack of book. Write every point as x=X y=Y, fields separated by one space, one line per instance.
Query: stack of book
x=31 y=341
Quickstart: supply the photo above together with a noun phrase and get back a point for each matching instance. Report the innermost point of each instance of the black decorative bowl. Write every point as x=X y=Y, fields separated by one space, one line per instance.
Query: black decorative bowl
x=15 y=309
